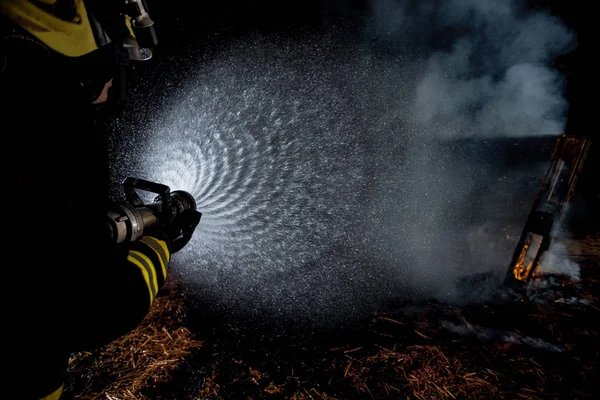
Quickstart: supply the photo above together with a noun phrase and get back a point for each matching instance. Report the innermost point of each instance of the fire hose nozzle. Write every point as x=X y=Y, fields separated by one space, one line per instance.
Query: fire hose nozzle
x=128 y=220
x=142 y=24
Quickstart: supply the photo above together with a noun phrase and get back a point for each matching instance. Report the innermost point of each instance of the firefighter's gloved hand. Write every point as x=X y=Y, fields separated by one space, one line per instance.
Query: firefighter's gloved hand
x=181 y=229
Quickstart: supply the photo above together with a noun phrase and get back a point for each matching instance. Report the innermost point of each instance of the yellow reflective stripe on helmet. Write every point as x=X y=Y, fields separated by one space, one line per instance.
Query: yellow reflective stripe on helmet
x=145 y=265
x=161 y=249
x=71 y=38
x=54 y=395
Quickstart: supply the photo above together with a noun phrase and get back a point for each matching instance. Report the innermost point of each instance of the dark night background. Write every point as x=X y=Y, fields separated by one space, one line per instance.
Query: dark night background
x=188 y=27
x=189 y=23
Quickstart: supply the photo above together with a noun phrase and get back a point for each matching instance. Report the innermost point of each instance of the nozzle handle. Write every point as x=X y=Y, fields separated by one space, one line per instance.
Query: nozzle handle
x=130 y=184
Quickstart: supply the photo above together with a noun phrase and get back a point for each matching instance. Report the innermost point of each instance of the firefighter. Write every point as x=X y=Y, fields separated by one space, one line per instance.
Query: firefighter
x=69 y=288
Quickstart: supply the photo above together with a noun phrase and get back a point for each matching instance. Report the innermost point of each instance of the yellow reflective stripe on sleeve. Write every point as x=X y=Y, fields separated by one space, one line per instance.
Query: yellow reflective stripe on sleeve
x=161 y=249
x=54 y=395
x=145 y=265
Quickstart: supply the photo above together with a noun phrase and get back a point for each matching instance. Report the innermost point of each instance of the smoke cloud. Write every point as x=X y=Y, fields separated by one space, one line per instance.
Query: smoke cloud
x=556 y=261
x=491 y=334
x=341 y=170
x=488 y=65
x=482 y=71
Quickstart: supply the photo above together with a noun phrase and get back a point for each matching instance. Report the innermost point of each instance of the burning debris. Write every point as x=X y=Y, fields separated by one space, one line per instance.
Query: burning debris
x=545 y=216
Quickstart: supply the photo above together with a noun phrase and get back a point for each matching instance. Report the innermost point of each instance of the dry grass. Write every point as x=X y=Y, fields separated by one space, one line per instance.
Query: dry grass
x=492 y=352
x=126 y=368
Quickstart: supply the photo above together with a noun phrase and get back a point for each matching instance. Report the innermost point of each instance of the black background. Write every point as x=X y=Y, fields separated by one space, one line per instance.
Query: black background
x=188 y=27
x=186 y=22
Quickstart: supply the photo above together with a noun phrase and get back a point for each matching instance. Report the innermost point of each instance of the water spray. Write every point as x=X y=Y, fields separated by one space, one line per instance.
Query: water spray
x=336 y=174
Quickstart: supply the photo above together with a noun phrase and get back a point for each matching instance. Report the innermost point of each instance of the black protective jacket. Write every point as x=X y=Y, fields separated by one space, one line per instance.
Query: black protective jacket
x=67 y=288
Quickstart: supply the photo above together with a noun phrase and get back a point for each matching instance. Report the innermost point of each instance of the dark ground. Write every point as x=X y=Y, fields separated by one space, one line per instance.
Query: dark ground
x=546 y=346
x=542 y=346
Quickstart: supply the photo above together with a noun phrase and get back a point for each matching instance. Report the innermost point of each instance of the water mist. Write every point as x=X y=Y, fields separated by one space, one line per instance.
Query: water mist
x=341 y=170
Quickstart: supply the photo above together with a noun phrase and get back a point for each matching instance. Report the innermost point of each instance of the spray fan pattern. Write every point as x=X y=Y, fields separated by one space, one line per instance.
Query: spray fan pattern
x=339 y=170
